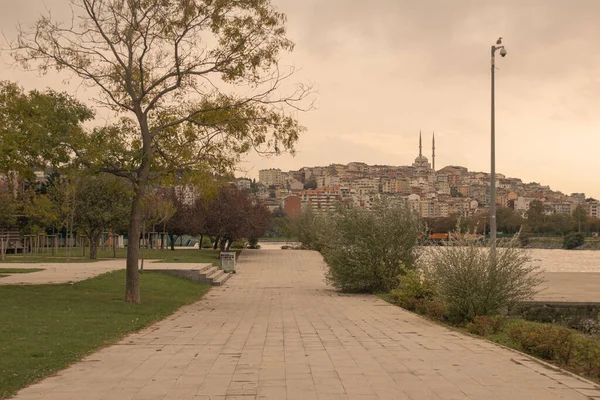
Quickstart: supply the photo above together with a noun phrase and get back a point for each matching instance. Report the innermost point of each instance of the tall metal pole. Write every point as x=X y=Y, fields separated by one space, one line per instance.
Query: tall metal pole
x=493 y=169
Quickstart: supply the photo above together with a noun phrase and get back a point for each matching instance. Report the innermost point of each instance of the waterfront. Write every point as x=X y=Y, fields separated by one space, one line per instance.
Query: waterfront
x=554 y=260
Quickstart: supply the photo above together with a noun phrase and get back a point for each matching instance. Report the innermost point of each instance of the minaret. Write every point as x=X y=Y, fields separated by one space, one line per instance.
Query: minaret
x=433 y=155
x=420 y=145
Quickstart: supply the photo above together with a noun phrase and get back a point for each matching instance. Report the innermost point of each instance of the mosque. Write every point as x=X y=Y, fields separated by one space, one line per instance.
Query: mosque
x=421 y=162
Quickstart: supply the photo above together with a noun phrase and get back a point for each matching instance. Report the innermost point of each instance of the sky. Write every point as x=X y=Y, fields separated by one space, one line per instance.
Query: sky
x=383 y=70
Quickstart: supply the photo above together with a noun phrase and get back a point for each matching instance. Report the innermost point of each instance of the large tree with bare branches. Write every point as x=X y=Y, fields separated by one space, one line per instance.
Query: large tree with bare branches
x=194 y=84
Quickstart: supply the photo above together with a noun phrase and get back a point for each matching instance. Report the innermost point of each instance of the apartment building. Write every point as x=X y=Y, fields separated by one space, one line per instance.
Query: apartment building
x=321 y=200
x=272 y=177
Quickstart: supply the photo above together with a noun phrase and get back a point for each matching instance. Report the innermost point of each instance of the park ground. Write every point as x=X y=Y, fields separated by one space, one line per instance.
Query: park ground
x=277 y=331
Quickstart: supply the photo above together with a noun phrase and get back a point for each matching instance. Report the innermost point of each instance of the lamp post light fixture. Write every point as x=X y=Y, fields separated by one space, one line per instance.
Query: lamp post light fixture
x=496 y=47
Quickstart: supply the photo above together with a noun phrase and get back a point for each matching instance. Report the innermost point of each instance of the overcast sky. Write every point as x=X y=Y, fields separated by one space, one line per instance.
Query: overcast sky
x=385 y=69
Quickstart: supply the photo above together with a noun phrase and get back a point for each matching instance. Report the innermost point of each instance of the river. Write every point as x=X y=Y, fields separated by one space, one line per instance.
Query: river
x=550 y=260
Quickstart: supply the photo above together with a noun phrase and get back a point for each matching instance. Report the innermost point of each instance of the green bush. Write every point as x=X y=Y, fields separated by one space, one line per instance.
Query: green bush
x=588 y=355
x=238 y=244
x=412 y=287
x=206 y=243
x=436 y=310
x=366 y=250
x=546 y=341
x=573 y=240
x=484 y=325
x=311 y=229
x=253 y=243
x=471 y=283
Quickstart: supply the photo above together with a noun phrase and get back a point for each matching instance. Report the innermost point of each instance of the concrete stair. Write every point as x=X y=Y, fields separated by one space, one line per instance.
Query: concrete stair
x=206 y=273
x=214 y=276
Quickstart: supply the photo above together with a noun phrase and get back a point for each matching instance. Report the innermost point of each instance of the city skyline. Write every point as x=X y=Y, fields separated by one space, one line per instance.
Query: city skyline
x=386 y=69
x=424 y=161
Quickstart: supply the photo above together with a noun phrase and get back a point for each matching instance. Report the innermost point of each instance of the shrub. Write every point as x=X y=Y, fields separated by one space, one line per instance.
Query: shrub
x=412 y=287
x=238 y=244
x=436 y=310
x=311 y=229
x=524 y=235
x=545 y=341
x=484 y=325
x=471 y=283
x=588 y=355
x=206 y=243
x=253 y=243
x=573 y=240
x=366 y=250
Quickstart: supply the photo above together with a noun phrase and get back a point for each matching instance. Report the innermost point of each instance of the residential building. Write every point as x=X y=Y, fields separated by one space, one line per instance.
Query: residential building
x=292 y=205
x=272 y=177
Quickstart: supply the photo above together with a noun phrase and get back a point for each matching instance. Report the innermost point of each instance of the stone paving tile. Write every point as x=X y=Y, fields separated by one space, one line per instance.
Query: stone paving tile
x=277 y=332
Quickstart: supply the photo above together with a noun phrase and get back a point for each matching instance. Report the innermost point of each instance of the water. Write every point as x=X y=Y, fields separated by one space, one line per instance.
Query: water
x=553 y=260
x=550 y=260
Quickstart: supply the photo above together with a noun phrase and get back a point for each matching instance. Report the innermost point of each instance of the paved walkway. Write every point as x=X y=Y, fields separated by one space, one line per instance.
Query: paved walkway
x=275 y=331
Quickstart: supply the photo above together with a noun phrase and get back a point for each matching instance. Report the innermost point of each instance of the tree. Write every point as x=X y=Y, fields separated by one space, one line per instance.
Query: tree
x=172 y=71
x=366 y=250
x=180 y=222
x=40 y=212
x=101 y=203
x=535 y=215
x=35 y=128
x=158 y=208
x=257 y=222
x=470 y=284
x=310 y=184
x=8 y=210
x=580 y=217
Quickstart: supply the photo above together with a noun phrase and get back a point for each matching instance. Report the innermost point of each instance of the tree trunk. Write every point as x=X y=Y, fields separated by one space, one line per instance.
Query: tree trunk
x=172 y=241
x=216 y=243
x=94 y=245
x=132 y=282
x=201 y=240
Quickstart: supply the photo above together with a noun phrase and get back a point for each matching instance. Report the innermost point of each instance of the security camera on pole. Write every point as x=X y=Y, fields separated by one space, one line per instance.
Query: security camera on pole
x=497 y=46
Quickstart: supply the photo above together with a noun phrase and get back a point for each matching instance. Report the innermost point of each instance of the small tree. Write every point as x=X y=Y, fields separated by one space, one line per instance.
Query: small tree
x=195 y=84
x=573 y=240
x=8 y=210
x=366 y=250
x=471 y=284
x=311 y=229
x=101 y=202
x=158 y=208
x=257 y=221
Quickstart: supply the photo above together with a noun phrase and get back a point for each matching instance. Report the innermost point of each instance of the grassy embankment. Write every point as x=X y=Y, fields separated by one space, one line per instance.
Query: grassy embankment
x=47 y=327
x=566 y=348
x=167 y=256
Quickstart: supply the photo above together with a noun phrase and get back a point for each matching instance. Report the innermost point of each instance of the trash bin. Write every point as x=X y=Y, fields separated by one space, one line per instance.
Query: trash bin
x=228 y=261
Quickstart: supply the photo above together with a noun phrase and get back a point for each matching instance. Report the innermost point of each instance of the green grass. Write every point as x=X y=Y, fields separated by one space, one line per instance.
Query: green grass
x=575 y=365
x=168 y=256
x=19 y=270
x=47 y=327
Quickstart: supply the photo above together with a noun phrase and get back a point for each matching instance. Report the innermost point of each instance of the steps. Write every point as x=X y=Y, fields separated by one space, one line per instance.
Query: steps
x=213 y=275
x=206 y=273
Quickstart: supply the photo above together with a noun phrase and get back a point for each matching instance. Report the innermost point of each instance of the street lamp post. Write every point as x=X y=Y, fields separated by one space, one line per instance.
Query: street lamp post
x=497 y=46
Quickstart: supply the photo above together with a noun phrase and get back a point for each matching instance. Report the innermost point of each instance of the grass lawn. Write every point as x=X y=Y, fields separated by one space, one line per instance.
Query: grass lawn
x=19 y=270
x=47 y=327
x=168 y=256
x=577 y=362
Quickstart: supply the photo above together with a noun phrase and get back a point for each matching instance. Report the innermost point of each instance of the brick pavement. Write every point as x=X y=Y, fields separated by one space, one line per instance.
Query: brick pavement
x=275 y=331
